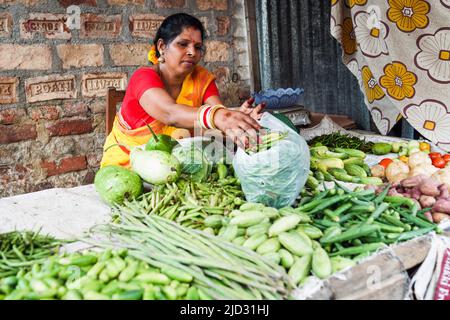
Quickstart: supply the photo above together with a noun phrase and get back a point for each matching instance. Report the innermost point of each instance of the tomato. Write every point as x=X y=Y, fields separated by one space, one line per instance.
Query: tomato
x=423 y=146
x=439 y=162
x=434 y=155
x=446 y=157
x=385 y=162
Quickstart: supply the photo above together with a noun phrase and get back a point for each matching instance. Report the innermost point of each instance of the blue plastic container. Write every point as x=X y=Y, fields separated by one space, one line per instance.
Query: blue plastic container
x=280 y=98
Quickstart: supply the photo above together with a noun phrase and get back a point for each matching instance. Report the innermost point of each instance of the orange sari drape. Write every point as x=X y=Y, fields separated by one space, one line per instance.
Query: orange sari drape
x=191 y=94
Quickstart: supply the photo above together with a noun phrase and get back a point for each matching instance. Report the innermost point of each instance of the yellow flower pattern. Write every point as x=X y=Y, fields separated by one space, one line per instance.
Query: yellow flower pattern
x=398 y=81
x=371 y=87
x=409 y=15
x=352 y=3
x=399 y=51
x=348 y=37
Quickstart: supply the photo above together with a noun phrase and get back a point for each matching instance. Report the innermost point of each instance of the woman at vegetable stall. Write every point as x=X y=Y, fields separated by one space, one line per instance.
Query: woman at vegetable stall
x=175 y=94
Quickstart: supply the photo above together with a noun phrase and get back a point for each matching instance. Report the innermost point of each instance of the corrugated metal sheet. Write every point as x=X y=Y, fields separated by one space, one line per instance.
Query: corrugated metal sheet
x=297 y=50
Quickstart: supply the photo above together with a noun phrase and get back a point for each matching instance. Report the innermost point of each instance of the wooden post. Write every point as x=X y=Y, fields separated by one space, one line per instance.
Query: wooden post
x=113 y=97
x=252 y=40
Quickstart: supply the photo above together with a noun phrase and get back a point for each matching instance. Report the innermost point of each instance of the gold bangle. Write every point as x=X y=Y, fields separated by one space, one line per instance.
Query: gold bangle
x=213 y=112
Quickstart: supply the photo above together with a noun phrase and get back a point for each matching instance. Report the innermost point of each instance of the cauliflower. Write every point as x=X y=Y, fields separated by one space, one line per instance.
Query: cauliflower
x=425 y=169
x=418 y=158
x=397 y=171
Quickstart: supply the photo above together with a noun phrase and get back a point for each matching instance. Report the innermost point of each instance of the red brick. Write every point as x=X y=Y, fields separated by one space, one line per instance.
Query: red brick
x=65 y=165
x=170 y=3
x=223 y=26
x=75 y=109
x=45 y=113
x=5 y=25
x=96 y=84
x=145 y=25
x=11 y=116
x=8 y=90
x=9 y=134
x=80 y=55
x=67 y=3
x=25 y=57
x=51 y=26
x=100 y=26
x=70 y=127
x=50 y=87
x=129 y=54
x=212 y=4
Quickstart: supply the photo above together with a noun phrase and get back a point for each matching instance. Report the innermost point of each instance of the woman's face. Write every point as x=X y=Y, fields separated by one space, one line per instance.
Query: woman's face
x=184 y=52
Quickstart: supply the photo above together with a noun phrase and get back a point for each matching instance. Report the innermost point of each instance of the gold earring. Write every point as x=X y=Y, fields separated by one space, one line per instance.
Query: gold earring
x=161 y=59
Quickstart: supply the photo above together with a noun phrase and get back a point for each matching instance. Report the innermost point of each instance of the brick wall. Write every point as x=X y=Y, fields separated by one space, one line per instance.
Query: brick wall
x=53 y=78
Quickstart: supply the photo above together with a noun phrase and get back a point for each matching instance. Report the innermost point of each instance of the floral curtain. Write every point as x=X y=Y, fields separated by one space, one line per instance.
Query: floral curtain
x=399 y=50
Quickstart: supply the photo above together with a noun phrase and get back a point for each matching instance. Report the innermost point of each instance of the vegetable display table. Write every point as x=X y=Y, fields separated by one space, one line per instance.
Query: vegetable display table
x=64 y=213
x=68 y=213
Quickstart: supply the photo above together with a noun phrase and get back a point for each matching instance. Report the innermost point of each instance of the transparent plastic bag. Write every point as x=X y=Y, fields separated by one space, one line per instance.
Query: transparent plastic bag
x=197 y=156
x=276 y=176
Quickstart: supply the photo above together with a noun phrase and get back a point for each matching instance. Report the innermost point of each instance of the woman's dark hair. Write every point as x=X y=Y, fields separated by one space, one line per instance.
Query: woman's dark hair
x=174 y=25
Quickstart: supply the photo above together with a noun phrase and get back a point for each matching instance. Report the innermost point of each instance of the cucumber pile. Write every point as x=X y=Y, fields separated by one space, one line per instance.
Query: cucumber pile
x=286 y=237
x=341 y=164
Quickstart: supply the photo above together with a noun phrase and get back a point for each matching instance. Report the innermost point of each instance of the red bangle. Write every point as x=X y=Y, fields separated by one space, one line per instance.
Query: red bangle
x=203 y=116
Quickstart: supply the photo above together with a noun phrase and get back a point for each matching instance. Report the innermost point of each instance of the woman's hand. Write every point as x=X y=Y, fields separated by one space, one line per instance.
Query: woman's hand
x=238 y=126
x=254 y=112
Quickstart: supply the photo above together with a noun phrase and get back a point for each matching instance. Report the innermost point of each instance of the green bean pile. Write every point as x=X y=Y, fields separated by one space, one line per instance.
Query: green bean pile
x=219 y=268
x=338 y=140
x=23 y=249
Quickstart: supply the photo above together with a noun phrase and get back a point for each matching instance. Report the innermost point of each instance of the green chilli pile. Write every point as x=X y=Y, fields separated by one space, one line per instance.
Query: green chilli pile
x=111 y=274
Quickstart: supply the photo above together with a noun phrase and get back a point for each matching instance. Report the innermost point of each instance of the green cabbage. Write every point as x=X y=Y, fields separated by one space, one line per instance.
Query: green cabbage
x=195 y=159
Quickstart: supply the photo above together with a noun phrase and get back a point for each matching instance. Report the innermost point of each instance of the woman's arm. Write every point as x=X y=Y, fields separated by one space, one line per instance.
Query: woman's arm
x=161 y=106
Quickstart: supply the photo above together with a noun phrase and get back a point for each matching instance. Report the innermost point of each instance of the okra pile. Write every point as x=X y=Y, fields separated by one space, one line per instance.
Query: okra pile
x=111 y=274
x=189 y=203
x=266 y=141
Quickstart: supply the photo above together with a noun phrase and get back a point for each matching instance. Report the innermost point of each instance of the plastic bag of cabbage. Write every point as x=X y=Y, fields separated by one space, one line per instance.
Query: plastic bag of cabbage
x=274 y=176
x=198 y=155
